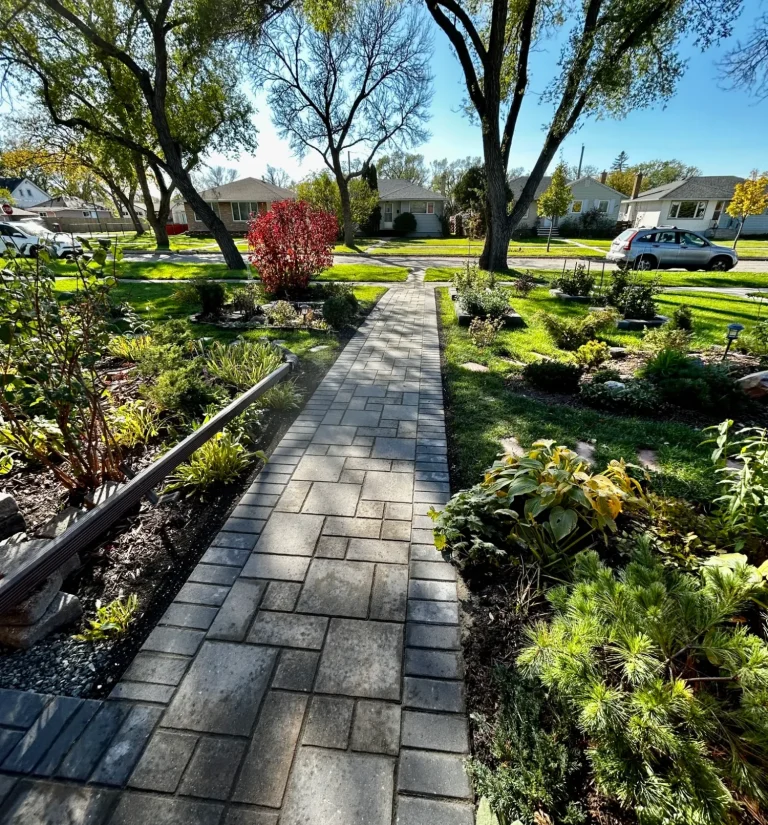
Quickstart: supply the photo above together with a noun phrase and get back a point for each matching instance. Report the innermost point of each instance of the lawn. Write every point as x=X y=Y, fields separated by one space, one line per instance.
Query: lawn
x=481 y=410
x=461 y=247
x=747 y=248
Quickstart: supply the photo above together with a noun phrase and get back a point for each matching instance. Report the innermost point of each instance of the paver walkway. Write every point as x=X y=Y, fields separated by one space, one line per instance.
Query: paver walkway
x=309 y=672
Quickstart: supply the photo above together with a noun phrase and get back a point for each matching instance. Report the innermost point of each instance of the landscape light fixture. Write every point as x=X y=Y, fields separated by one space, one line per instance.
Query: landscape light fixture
x=731 y=335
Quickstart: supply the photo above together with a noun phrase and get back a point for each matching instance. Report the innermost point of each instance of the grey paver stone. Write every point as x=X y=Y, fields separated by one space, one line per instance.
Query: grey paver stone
x=252 y=526
x=319 y=468
x=249 y=816
x=361 y=418
x=293 y=497
x=6 y=786
x=432 y=590
x=154 y=667
x=394 y=448
x=19 y=709
x=8 y=741
x=234 y=556
x=288 y=630
x=435 y=731
x=438 y=571
x=213 y=574
x=376 y=728
x=178 y=640
x=337 y=588
x=328 y=722
x=79 y=763
x=432 y=694
x=163 y=762
x=237 y=612
x=117 y=762
x=352 y=477
x=399 y=412
x=379 y=464
x=355 y=527
x=413 y=810
x=44 y=803
x=425 y=552
x=41 y=735
x=213 y=767
x=388 y=486
x=265 y=770
x=148 y=808
x=142 y=692
x=361 y=659
x=321 y=784
x=234 y=541
x=285 y=568
x=330 y=434
x=398 y=510
x=396 y=530
x=332 y=499
x=252 y=511
x=438 y=774
x=391 y=552
x=222 y=690
x=194 y=616
x=296 y=670
x=388 y=602
x=331 y=547
x=370 y=510
x=433 y=612
x=281 y=596
x=291 y=534
x=64 y=741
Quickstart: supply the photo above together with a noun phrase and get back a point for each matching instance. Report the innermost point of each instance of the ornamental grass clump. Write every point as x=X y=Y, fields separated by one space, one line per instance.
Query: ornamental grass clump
x=666 y=682
x=543 y=506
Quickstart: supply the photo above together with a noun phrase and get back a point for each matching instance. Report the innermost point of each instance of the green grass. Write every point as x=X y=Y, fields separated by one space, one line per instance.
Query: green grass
x=712 y=312
x=482 y=410
x=460 y=247
x=364 y=272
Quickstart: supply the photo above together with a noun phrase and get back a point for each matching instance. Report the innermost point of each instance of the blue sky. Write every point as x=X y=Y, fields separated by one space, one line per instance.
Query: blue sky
x=721 y=132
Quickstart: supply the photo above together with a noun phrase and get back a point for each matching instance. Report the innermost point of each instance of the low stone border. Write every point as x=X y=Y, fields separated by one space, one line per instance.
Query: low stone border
x=642 y=323
x=563 y=296
x=511 y=320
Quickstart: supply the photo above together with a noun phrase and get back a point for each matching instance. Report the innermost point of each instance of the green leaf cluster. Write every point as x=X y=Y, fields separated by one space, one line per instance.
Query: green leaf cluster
x=111 y=620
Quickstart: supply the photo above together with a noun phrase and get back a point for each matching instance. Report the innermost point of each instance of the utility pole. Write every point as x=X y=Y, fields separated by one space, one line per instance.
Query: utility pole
x=349 y=164
x=581 y=160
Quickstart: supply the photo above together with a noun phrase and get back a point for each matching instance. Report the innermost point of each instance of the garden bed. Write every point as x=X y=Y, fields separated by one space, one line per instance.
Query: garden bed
x=511 y=319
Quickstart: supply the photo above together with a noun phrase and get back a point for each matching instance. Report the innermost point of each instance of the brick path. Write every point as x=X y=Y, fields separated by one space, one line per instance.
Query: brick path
x=309 y=672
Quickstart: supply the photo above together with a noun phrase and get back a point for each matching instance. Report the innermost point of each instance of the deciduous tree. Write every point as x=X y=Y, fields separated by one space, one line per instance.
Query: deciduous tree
x=660 y=172
x=353 y=89
x=617 y=55
x=749 y=198
x=746 y=64
x=278 y=177
x=404 y=166
x=322 y=192
x=553 y=203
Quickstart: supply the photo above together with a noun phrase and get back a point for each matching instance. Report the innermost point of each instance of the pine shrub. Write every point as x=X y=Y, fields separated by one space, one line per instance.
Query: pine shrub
x=553 y=376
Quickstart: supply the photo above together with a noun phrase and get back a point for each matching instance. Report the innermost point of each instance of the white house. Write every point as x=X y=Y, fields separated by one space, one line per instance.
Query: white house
x=697 y=203
x=398 y=196
x=24 y=192
x=587 y=192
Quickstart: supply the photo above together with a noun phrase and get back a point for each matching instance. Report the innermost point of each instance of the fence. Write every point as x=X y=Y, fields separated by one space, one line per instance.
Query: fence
x=32 y=572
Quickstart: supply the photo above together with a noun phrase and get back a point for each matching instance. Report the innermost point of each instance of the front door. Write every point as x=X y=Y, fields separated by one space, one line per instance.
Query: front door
x=694 y=251
x=388 y=215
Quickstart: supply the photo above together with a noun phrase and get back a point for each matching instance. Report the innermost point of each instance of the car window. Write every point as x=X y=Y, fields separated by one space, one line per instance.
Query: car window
x=693 y=240
x=649 y=238
x=626 y=234
x=666 y=237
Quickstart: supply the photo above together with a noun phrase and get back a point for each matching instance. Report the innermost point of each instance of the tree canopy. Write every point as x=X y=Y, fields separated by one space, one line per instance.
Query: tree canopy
x=400 y=165
x=749 y=198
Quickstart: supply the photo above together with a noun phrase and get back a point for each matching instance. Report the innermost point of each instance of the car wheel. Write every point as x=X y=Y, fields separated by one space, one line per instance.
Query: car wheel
x=721 y=264
x=646 y=262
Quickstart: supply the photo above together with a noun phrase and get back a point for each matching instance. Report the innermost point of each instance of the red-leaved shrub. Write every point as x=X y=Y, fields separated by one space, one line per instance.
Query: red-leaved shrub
x=290 y=244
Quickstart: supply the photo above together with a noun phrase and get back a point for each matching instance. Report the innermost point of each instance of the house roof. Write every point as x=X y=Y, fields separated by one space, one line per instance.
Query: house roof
x=703 y=187
x=517 y=184
x=392 y=189
x=18 y=213
x=247 y=189
x=69 y=202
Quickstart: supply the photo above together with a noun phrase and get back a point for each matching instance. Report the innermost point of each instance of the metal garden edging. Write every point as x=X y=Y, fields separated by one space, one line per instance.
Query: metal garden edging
x=17 y=585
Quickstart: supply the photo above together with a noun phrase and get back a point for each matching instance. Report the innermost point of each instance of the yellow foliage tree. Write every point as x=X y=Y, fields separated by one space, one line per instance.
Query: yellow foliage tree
x=749 y=198
x=622 y=180
x=554 y=202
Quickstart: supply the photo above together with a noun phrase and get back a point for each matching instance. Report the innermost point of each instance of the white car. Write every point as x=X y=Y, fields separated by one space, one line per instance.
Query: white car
x=28 y=236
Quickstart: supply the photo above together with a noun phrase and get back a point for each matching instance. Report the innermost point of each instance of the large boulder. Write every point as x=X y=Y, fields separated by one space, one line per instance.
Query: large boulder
x=64 y=609
x=755 y=385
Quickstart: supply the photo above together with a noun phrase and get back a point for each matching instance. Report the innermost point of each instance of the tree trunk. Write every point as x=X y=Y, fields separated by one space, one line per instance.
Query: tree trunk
x=497 y=231
x=158 y=225
x=551 y=226
x=738 y=231
x=346 y=208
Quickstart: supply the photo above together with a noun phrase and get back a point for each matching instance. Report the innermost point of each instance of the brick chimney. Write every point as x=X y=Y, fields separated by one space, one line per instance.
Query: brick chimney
x=637 y=184
x=603 y=176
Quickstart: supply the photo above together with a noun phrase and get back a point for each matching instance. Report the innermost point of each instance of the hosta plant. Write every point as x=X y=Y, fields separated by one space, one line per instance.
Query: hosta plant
x=546 y=504
x=112 y=619
x=666 y=682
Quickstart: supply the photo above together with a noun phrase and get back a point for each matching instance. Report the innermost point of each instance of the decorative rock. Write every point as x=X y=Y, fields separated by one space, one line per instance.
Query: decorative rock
x=60 y=523
x=649 y=460
x=11 y=520
x=564 y=296
x=319 y=348
x=512 y=446
x=14 y=555
x=472 y=367
x=34 y=606
x=586 y=451
x=615 y=385
x=71 y=565
x=641 y=323
x=618 y=352
x=755 y=385
x=63 y=609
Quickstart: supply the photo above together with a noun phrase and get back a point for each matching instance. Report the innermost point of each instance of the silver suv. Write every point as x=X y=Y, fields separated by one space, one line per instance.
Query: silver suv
x=667 y=247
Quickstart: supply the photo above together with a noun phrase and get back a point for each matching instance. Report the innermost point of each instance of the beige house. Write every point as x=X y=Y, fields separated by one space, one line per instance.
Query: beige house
x=235 y=202
x=398 y=196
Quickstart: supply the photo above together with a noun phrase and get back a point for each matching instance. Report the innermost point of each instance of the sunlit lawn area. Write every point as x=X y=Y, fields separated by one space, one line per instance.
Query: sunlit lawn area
x=460 y=247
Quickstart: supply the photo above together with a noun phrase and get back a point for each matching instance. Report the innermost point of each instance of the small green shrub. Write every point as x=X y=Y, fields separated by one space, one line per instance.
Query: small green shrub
x=471 y=277
x=593 y=354
x=182 y=391
x=111 y=620
x=755 y=340
x=241 y=364
x=174 y=331
x=571 y=333
x=485 y=303
x=575 y=282
x=681 y=318
x=404 y=224
x=483 y=331
x=130 y=347
x=337 y=310
x=159 y=358
x=282 y=313
x=524 y=284
x=536 y=762
x=133 y=423
x=544 y=505
x=635 y=398
x=666 y=337
x=605 y=374
x=665 y=681
x=283 y=397
x=211 y=295
x=221 y=460
x=247 y=299
x=632 y=294
x=553 y=376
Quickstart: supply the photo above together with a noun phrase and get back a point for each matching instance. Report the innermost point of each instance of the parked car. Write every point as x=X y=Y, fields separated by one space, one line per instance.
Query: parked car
x=667 y=247
x=29 y=236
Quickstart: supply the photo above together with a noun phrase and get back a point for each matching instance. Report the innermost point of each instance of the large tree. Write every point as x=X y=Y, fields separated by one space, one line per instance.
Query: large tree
x=617 y=55
x=155 y=77
x=349 y=90
x=749 y=198
x=660 y=172
x=746 y=64
x=400 y=165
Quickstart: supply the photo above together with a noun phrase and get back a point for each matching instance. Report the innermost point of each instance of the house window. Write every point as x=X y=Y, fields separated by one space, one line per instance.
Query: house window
x=687 y=209
x=720 y=207
x=241 y=210
x=214 y=206
x=602 y=206
x=576 y=207
x=430 y=208
x=90 y=215
x=419 y=207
